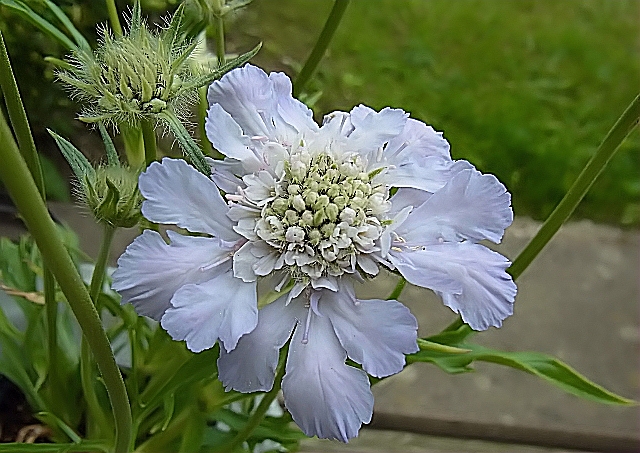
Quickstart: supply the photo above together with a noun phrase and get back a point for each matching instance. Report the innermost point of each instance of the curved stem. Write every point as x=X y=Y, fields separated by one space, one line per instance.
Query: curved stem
x=24 y=192
x=114 y=19
x=262 y=408
x=335 y=16
x=578 y=190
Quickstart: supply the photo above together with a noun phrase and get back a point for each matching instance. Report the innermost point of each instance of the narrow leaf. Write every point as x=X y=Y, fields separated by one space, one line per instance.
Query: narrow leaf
x=64 y=20
x=112 y=155
x=78 y=163
x=39 y=22
x=188 y=145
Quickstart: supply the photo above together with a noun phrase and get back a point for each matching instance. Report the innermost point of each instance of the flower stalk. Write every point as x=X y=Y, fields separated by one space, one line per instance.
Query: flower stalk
x=24 y=192
x=330 y=27
x=627 y=121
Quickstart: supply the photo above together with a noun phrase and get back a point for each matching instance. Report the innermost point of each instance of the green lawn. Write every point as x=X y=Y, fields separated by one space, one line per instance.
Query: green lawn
x=524 y=89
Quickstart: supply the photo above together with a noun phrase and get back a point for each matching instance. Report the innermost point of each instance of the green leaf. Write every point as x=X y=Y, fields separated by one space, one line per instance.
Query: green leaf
x=188 y=145
x=23 y=10
x=222 y=70
x=78 y=163
x=64 y=20
x=112 y=155
x=544 y=366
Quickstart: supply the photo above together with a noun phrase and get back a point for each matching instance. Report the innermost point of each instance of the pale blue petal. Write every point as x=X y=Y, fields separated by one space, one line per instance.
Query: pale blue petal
x=226 y=136
x=428 y=173
x=373 y=129
x=226 y=174
x=222 y=308
x=150 y=271
x=178 y=194
x=407 y=196
x=471 y=279
x=325 y=397
x=261 y=105
x=251 y=366
x=471 y=206
x=375 y=333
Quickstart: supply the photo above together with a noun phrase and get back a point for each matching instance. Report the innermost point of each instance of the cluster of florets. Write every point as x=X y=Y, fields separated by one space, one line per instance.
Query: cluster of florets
x=133 y=77
x=322 y=213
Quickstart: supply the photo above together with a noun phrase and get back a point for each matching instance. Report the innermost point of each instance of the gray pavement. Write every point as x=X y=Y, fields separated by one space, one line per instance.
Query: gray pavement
x=578 y=301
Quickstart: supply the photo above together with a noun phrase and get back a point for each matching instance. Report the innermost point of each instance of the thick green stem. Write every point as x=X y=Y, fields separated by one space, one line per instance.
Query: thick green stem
x=24 y=192
x=101 y=263
x=150 y=141
x=578 y=190
x=335 y=16
x=262 y=408
x=133 y=145
x=114 y=19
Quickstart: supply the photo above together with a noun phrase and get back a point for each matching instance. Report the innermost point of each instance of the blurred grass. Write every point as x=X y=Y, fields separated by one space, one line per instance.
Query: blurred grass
x=523 y=89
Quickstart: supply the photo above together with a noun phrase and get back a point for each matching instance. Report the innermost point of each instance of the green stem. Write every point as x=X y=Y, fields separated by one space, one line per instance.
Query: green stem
x=101 y=263
x=397 y=290
x=150 y=141
x=24 y=192
x=133 y=145
x=335 y=16
x=203 y=106
x=578 y=190
x=114 y=19
x=262 y=408
x=220 y=47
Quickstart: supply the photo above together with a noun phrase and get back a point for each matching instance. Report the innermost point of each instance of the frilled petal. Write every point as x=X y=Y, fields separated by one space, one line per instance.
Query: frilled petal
x=227 y=137
x=225 y=174
x=471 y=279
x=251 y=366
x=261 y=105
x=470 y=206
x=222 y=308
x=375 y=333
x=373 y=129
x=150 y=271
x=178 y=194
x=325 y=397
x=417 y=157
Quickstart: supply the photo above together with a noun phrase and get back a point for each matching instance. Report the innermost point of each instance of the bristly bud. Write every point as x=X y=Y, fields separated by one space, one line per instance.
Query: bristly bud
x=140 y=75
x=109 y=191
x=112 y=195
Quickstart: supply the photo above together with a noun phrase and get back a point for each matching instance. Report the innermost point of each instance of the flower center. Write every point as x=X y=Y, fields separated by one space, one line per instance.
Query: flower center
x=322 y=213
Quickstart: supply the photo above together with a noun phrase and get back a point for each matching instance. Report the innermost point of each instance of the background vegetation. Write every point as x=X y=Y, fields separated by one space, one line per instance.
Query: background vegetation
x=524 y=89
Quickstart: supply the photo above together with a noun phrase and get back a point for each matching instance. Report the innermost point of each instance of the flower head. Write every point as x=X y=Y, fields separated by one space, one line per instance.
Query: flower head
x=310 y=209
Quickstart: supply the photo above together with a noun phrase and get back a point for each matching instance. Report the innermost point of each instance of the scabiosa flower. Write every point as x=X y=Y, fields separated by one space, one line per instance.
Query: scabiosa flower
x=310 y=211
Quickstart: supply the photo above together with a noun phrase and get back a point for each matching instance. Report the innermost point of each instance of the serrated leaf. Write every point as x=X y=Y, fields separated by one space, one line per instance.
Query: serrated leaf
x=78 y=163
